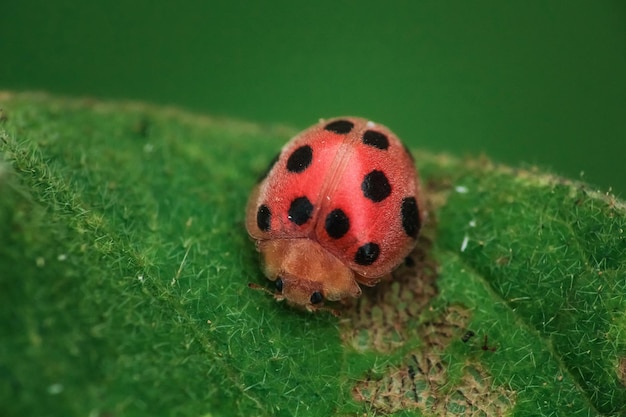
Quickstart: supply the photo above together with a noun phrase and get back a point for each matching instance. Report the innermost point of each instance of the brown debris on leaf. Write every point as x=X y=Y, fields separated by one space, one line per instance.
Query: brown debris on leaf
x=621 y=370
x=422 y=381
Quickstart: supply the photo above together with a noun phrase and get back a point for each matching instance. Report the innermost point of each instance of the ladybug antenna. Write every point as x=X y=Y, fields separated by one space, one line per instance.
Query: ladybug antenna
x=254 y=286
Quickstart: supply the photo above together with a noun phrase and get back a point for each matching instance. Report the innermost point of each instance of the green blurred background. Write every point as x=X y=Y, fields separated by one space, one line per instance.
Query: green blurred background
x=533 y=82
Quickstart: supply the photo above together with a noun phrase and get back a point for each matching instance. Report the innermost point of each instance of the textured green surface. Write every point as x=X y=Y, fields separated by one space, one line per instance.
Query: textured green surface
x=124 y=264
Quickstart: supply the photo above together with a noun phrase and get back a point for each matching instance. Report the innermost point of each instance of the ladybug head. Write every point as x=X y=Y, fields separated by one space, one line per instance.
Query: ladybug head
x=305 y=274
x=298 y=292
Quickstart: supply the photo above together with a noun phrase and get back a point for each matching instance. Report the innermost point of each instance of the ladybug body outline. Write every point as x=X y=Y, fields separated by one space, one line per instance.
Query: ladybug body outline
x=340 y=206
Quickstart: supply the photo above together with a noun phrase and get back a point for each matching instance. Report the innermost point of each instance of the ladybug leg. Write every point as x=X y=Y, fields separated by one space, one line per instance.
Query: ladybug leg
x=313 y=309
x=370 y=282
x=277 y=297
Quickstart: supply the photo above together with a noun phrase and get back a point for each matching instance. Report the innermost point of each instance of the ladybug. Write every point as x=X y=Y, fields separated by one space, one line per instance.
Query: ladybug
x=338 y=207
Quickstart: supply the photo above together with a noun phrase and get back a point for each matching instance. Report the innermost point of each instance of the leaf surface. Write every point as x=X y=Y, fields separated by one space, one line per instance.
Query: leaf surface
x=124 y=265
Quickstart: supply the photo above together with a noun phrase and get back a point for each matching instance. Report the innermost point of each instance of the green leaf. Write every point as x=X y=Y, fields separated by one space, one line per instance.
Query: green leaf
x=124 y=265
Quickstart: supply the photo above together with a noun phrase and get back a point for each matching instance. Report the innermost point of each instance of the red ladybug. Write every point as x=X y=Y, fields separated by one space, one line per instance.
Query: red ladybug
x=340 y=206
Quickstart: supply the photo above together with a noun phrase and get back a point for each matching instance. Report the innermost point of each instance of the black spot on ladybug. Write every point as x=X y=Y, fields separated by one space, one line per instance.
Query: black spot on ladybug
x=269 y=168
x=375 y=186
x=300 y=210
x=337 y=224
x=339 y=126
x=300 y=159
x=375 y=139
x=367 y=254
x=316 y=297
x=410 y=217
x=263 y=217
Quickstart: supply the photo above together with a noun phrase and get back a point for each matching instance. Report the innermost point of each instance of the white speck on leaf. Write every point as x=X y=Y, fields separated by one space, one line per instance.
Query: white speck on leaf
x=461 y=189
x=464 y=243
x=55 y=389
